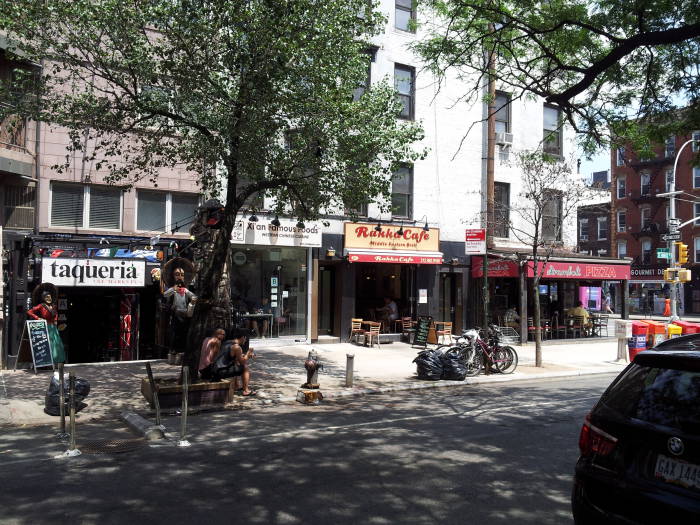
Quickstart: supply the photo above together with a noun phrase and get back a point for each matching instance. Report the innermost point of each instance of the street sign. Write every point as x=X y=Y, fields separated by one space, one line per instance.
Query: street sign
x=475 y=241
x=674 y=222
x=663 y=253
x=672 y=236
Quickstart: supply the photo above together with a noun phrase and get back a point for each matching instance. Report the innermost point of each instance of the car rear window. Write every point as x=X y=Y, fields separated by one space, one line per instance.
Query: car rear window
x=661 y=396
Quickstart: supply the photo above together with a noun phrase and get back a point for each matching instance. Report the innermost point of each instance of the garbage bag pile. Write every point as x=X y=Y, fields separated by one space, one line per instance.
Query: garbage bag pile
x=453 y=367
x=429 y=364
x=52 y=400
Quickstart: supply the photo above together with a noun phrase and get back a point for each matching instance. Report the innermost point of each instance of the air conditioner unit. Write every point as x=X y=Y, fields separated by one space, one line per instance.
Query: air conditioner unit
x=504 y=139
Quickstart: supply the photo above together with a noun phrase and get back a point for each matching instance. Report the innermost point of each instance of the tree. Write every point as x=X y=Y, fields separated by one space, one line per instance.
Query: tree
x=255 y=96
x=549 y=198
x=618 y=70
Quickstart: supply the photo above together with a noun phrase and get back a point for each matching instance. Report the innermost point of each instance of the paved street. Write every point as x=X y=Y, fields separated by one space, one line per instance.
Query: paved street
x=487 y=454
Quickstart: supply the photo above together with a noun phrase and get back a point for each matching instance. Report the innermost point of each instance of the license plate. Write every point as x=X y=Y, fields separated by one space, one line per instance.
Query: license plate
x=678 y=472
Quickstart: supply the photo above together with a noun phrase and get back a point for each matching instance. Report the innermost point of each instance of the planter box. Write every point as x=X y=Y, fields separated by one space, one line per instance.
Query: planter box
x=200 y=394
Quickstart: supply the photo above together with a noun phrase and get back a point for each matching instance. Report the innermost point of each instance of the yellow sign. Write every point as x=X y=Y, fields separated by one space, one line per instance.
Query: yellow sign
x=391 y=237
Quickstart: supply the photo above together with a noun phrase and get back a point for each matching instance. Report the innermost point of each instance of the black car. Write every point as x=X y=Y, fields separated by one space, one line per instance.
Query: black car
x=640 y=445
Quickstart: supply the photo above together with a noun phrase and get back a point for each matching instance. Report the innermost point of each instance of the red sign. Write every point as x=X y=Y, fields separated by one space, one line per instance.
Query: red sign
x=576 y=270
x=475 y=241
x=497 y=268
x=394 y=259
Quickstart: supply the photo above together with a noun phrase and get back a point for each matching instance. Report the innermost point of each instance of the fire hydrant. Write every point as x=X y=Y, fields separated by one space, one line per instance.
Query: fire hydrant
x=309 y=393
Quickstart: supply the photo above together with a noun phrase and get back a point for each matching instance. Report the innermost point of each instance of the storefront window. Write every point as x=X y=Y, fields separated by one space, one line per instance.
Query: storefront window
x=269 y=289
x=648 y=297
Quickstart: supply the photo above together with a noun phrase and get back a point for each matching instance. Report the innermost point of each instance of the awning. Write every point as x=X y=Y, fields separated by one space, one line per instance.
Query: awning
x=394 y=257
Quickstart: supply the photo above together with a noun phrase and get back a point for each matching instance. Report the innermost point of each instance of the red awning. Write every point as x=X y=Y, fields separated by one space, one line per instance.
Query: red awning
x=577 y=270
x=394 y=257
x=497 y=267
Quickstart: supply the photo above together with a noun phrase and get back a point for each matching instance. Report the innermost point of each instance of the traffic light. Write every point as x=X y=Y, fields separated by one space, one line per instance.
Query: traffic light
x=682 y=253
x=670 y=274
x=684 y=275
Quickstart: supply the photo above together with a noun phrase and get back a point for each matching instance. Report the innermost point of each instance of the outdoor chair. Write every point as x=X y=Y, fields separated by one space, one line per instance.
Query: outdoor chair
x=355 y=329
x=576 y=326
x=600 y=323
x=373 y=334
x=407 y=327
x=558 y=328
x=544 y=329
x=445 y=332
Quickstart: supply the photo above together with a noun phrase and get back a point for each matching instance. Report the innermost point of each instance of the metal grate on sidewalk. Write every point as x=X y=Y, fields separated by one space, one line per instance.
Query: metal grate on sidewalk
x=110 y=446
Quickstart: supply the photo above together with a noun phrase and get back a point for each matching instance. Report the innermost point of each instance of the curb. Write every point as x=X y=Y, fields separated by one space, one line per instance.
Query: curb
x=423 y=385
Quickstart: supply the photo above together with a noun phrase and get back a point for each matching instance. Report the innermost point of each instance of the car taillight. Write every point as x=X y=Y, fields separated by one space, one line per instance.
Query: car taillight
x=593 y=440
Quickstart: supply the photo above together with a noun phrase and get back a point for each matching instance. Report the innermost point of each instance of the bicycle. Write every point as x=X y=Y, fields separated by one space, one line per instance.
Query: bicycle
x=464 y=348
x=504 y=359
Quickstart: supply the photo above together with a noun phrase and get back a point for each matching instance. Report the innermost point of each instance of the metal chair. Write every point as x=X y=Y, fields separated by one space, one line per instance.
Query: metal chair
x=355 y=329
x=373 y=334
x=575 y=326
x=407 y=327
x=558 y=328
x=600 y=323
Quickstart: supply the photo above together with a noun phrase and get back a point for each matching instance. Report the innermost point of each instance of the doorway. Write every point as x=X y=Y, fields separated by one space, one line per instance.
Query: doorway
x=450 y=307
x=326 y=300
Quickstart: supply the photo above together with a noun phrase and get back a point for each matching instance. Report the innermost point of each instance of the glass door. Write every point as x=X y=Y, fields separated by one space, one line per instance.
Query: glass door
x=326 y=298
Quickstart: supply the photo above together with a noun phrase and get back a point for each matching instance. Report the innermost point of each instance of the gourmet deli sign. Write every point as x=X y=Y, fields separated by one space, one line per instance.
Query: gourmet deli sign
x=93 y=272
x=405 y=238
x=263 y=232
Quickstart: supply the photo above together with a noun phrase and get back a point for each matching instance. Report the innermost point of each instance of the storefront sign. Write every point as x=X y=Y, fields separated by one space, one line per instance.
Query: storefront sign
x=497 y=268
x=264 y=233
x=647 y=273
x=93 y=272
x=475 y=241
x=397 y=258
x=576 y=270
x=391 y=237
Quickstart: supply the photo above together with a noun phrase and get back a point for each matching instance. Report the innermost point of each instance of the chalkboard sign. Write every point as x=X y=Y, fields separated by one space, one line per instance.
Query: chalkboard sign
x=39 y=343
x=422 y=330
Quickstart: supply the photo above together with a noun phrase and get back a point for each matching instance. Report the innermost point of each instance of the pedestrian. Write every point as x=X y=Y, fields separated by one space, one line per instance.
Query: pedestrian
x=209 y=352
x=234 y=361
x=606 y=305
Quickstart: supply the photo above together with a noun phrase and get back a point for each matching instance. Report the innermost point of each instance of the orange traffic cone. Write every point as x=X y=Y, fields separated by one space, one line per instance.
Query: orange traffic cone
x=667 y=307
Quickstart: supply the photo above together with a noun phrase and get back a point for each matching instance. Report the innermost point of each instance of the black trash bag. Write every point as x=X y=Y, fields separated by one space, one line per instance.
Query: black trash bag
x=429 y=365
x=52 y=399
x=453 y=367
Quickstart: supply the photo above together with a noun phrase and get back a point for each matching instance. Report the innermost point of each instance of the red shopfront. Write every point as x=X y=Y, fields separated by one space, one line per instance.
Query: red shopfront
x=504 y=287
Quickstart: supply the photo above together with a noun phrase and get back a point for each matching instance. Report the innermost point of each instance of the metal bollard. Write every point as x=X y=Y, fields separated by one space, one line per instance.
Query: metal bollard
x=62 y=402
x=349 y=369
x=154 y=391
x=183 y=414
x=72 y=449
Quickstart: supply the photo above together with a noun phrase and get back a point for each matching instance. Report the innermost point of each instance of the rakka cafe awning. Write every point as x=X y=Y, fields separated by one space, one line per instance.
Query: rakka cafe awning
x=392 y=244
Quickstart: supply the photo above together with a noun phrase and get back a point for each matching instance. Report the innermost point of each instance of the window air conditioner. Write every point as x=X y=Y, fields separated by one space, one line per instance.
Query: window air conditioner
x=504 y=139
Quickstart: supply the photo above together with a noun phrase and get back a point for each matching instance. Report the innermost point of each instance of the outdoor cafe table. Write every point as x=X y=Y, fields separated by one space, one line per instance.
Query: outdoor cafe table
x=257 y=316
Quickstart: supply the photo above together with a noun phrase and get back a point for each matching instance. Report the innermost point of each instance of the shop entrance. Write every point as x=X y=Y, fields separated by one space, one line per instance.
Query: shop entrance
x=451 y=300
x=326 y=299
x=374 y=282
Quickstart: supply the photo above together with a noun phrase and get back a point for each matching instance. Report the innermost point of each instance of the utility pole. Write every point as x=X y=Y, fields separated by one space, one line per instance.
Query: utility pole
x=490 y=154
x=673 y=230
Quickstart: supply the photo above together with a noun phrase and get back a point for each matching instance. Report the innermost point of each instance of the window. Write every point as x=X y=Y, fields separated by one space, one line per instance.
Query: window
x=404 y=14
x=158 y=211
x=583 y=229
x=622 y=221
x=602 y=228
x=79 y=206
x=551 y=217
x=670 y=147
x=621 y=249
x=501 y=196
x=696 y=210
x=371 y=55
x=696 y=177
x=646 y=251
x=695 y=146
x=645 y=217
x=19 y=206
x=645 y=183
x=360 y=211
x=502 y=108
x=401 y=189
x=552 y=130
x=620 y=156
x=696 y=246
x=404 y=78
x=669 y=179
x=621 y=187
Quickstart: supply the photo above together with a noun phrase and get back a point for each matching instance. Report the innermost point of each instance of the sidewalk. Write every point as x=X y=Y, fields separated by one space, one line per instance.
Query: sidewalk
x=278 y=372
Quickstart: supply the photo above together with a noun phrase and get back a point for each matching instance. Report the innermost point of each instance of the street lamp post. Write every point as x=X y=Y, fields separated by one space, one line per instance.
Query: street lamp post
x=673 y=228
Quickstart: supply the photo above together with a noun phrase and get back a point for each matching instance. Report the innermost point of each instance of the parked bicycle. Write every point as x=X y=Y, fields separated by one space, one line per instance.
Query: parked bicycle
x=480 y=348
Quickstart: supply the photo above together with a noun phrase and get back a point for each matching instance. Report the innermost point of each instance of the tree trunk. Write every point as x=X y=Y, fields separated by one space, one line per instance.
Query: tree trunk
x=536 y=319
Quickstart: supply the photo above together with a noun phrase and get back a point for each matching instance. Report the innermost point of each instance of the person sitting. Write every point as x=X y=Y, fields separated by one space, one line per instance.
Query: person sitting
x=580 y=311
x=389 y=312
x=511 y=318
x=262 y=308
x=210 y=350
x=234 y=359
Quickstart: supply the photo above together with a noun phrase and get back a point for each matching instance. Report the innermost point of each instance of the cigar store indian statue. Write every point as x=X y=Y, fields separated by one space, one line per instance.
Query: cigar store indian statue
x=46 y=295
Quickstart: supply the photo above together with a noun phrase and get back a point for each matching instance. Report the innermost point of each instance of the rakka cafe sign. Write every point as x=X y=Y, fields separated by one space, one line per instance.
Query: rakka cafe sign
x=390 y=245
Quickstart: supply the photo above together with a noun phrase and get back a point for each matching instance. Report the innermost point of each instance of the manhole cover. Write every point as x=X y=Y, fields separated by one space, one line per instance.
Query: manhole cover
x=110 y=446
